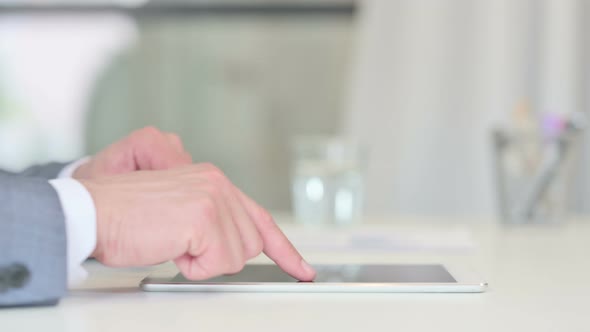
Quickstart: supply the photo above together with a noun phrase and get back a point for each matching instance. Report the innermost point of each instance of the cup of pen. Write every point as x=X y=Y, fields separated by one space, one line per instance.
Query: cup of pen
x=327 y=180
x=533 y=171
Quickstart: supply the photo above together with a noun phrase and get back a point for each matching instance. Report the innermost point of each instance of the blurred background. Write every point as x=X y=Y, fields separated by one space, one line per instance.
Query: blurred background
x=421 y=84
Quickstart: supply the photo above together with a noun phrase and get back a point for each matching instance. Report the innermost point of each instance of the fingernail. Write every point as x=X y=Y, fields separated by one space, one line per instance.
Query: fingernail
x=307 y=268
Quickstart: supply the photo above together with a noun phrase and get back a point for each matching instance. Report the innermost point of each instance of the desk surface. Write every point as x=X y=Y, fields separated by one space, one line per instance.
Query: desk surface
x=539 y=281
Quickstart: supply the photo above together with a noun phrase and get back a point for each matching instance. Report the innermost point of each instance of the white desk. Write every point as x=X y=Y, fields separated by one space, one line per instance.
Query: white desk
x=539 y=279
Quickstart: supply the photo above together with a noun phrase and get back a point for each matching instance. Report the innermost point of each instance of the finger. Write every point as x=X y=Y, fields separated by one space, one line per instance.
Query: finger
x=153 y=150
x=276 y=245
x=251 y=240
x=220 y=255
x=175 y=142
x=191 y=268
x=231 y=237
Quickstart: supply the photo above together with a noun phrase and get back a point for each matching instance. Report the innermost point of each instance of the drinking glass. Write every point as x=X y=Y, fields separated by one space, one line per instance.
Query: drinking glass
x=327 y=180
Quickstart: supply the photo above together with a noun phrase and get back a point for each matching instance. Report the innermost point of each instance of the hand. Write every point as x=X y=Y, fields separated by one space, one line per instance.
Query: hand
x=192 y=215
x=144 y=149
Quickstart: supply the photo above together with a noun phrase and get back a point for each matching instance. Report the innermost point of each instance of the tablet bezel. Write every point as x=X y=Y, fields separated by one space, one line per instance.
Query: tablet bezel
x=467 y=282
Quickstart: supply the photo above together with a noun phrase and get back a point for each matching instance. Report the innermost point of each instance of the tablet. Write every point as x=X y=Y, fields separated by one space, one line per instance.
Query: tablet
x=404 y=278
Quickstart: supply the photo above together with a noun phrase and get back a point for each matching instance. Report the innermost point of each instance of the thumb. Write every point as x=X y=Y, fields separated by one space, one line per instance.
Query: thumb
x=155 y=150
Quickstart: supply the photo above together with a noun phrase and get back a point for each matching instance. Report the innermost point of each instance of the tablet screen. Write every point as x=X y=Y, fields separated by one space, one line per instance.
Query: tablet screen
x=339 y=274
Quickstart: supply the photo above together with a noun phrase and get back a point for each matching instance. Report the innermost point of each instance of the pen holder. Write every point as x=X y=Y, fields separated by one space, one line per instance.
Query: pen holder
x=532 y=177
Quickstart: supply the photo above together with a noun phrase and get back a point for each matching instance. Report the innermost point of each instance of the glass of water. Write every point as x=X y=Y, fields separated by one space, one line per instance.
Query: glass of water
x=327 y=180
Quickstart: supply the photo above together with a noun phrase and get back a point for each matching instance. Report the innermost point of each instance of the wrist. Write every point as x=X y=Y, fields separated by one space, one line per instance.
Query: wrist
x=93 y=188
x=80 y=221
x=83 y=171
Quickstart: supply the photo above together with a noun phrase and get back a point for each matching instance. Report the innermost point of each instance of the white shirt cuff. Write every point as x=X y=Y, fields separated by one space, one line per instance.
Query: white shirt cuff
x=80 y=222
x=68 y=171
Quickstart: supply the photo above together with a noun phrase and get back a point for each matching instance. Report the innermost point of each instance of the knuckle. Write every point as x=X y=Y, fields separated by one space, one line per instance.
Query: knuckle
x=175 y=140
x=212 y=190
x=226 y=262
x=259 y=246
x=149 y=131
x=208 y=166
x=212 y=172
x=254 y=248
x=190 y=274
x=207 y=208
x=221 y=261
x=145 y=135
x=266 y=219
x=194 y=272
x=236 y=267
x=194 y=171
x=187 y=156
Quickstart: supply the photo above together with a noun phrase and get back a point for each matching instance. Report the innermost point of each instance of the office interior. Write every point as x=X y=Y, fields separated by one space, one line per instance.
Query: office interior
x=468 y=119
x=422 y=85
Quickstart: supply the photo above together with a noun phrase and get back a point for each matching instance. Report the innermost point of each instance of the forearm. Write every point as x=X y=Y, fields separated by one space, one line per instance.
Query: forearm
x=32 y=235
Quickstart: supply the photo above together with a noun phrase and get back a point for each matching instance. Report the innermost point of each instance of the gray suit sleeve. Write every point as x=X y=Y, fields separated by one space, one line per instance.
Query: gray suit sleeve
x=33 y=268
x=47 y=171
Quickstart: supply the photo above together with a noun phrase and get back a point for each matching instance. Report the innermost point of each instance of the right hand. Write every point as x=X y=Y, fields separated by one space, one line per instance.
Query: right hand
x=192 y=215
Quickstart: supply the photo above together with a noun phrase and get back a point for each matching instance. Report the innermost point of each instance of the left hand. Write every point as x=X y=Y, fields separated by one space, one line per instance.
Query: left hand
x=144 y=149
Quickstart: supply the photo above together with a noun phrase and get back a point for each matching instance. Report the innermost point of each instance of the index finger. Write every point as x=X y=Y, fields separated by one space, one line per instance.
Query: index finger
x=276 y=245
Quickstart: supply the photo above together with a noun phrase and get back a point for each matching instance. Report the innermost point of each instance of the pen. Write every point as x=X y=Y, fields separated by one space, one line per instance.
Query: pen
x=559 y=133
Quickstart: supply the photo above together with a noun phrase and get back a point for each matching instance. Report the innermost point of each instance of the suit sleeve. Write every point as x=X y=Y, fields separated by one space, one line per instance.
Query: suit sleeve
x=33 y=259
x=47 y=171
